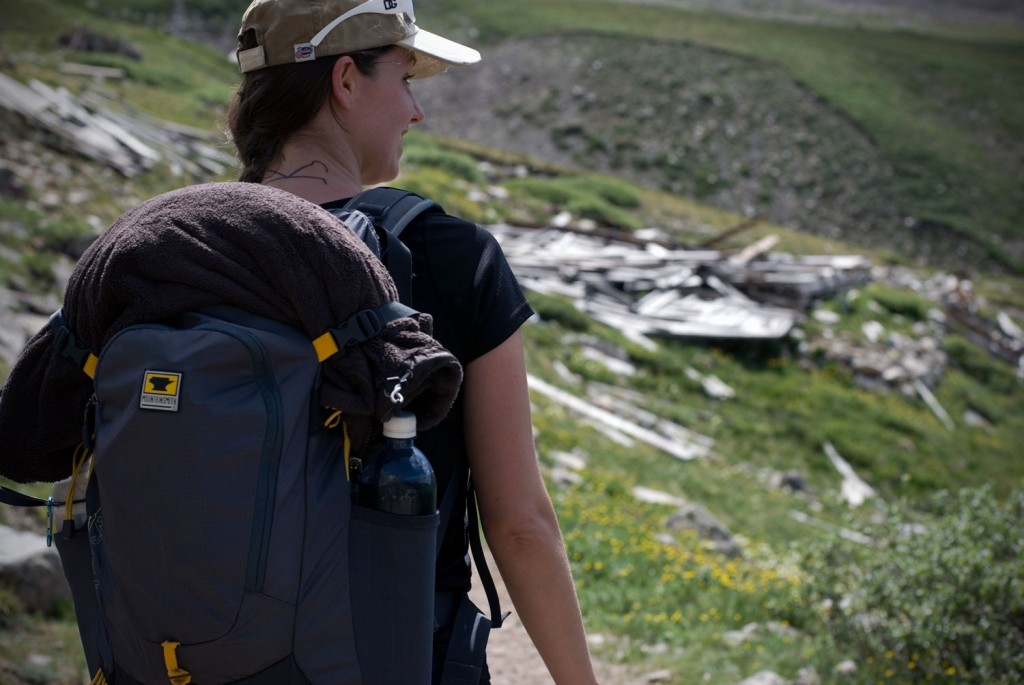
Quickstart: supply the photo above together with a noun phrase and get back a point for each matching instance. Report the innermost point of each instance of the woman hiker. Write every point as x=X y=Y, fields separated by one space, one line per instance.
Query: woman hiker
x=323 y=106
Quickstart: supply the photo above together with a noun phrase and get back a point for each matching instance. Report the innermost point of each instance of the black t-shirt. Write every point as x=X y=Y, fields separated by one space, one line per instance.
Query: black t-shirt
x=460 y=278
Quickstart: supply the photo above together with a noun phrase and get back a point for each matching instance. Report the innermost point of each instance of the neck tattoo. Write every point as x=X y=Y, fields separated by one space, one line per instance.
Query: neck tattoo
x=315 y=170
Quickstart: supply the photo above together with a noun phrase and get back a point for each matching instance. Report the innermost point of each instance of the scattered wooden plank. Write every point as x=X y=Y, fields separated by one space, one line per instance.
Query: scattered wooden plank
x=682 y=450
x=747 y=254
x=96 y=72
x=846 y=533
x=933 y=404
x=854 y=490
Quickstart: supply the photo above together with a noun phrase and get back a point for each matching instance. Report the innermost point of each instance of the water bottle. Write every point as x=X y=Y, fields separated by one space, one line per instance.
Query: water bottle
x=398 y=479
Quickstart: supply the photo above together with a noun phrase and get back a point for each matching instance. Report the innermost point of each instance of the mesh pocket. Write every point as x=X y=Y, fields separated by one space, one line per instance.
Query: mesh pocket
x=392 y=584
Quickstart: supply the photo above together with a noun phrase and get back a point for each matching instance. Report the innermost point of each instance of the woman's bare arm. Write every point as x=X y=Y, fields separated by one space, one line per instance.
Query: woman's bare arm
x=517 y=515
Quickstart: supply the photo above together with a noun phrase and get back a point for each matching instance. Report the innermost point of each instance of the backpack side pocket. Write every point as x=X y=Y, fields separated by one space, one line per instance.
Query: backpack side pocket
x=392 y=586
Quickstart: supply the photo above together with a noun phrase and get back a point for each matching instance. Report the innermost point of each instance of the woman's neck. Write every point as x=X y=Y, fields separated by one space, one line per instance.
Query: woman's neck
x=314 y=173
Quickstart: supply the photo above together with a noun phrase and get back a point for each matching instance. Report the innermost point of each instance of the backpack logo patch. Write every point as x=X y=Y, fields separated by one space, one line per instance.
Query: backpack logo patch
x=160 y=390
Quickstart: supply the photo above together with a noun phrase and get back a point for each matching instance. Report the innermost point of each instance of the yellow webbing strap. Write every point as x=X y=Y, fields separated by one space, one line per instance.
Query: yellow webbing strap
x=81 y=456
x=89 y=367
x=177 y=675
x=333 y=421
x=99 y=678
x=325 y=346
x=348 y=448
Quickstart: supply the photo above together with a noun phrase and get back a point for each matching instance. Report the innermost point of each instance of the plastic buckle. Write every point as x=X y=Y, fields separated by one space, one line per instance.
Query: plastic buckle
x=362 y=325
x=65 y=342
x=370 y=324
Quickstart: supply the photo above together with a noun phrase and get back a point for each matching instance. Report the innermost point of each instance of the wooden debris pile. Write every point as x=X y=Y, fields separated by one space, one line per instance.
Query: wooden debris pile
x=647 y=289
x=970 y=313
x=1002 y=337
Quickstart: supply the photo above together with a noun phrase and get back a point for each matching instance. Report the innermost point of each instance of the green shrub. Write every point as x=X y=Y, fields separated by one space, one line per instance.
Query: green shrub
x=10 y=606
x=561 y=310
x=141 y=72
x=67 y=236
x=555 y=191
x=603 y=200
x=616 y=192
x=902 y=302
x=442 y=188
x=455 y=163
x=979 y=364
x=597 y=209
x=938 y=602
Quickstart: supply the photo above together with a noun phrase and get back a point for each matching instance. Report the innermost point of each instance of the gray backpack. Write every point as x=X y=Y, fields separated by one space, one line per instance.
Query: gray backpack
x=225 y=547
x=222 y=544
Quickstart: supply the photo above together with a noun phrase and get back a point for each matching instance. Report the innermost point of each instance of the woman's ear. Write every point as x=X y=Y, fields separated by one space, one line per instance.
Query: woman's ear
x=343 y=81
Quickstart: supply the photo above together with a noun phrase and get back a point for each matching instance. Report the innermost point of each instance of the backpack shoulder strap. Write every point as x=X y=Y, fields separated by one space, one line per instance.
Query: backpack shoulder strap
x=483 y=571
x=392 y=210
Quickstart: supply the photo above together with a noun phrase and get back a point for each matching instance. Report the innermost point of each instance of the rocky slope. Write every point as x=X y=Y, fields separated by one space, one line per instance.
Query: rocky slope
x=693 y=121
x=730 y=131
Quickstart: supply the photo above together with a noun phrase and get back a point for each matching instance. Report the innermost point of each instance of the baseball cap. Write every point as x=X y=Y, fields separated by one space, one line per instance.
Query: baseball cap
x=275 y=32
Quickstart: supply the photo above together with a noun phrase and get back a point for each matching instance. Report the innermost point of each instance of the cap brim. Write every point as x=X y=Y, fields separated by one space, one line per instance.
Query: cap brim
x=434 y=53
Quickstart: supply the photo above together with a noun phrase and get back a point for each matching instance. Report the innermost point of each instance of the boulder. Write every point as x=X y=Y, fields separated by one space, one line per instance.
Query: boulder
x=32 y=570
x=765 y=678
x=697 y=518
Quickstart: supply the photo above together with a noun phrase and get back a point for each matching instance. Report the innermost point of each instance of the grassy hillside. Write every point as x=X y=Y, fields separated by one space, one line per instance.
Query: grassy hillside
x=661 y=597
x=908 y=136
x=179 y=80
x=942 y=111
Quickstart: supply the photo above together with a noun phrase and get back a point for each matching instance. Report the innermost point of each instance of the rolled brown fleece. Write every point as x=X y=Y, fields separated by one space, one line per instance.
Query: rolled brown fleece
x=243 y=245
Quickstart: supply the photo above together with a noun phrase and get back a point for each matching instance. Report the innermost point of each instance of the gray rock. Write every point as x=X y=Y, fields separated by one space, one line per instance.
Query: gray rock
x=32 y=570
x=846 y=668
x=697 y=518
x=735 y=638
x=807 y=676
x=792 y=480
x=19 y=321
x=976 y=420
x=764 y=678
x=752 y=631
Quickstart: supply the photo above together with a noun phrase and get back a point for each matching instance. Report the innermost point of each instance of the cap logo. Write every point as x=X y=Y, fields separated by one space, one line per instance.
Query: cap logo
x=304 y=52
x=390 y=4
